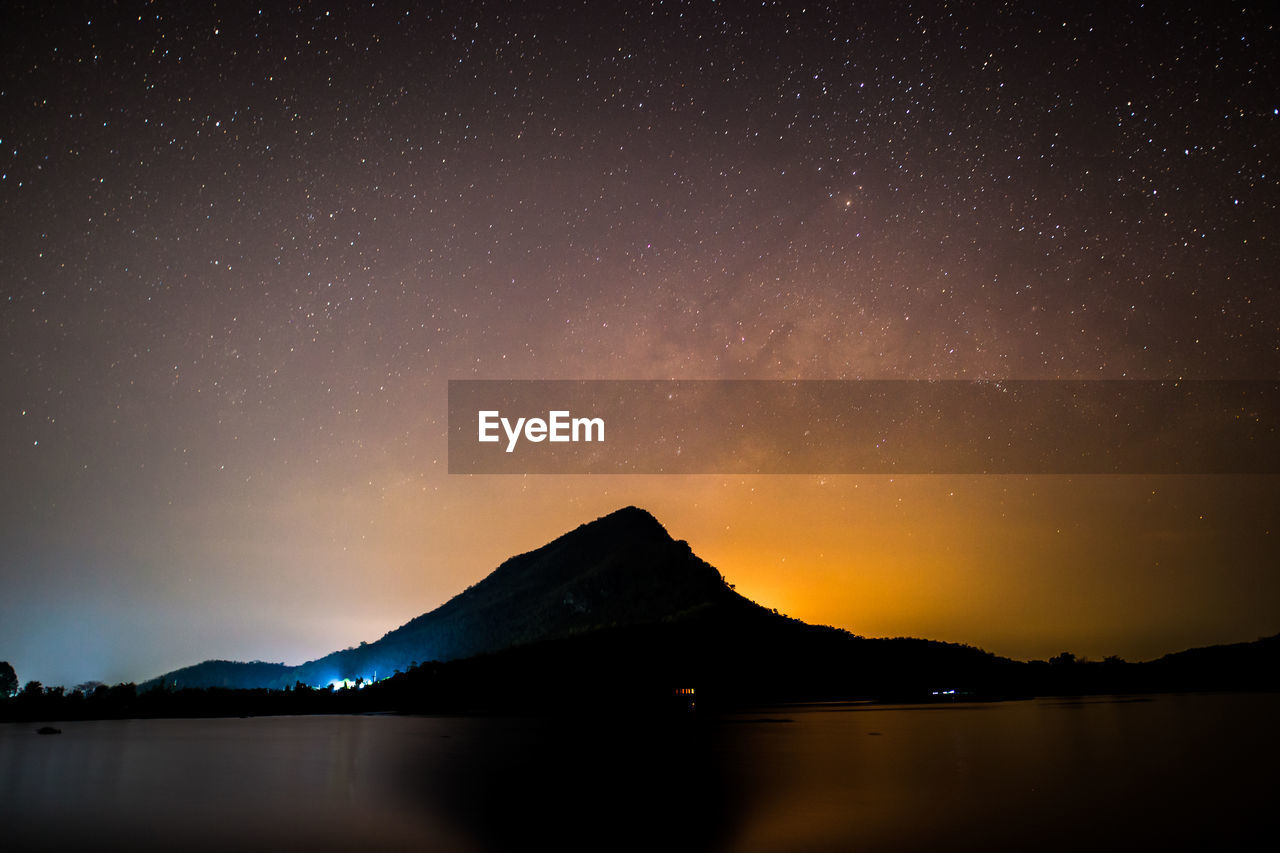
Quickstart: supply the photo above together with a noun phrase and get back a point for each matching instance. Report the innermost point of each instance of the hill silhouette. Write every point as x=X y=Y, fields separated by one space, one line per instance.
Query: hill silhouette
x=622 y=569
x=618 y=608
x=625 y=585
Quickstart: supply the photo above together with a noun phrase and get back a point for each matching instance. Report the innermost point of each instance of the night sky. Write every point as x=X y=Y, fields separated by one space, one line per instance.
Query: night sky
x=244 y=248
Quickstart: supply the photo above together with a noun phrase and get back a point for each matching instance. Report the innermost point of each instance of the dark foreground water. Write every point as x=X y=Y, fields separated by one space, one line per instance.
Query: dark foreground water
x=1172 y=772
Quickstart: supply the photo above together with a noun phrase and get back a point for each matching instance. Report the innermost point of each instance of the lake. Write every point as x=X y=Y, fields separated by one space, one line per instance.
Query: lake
x=1097 y=773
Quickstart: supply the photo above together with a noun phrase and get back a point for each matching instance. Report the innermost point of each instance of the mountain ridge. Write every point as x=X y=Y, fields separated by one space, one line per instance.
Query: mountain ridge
x=623 y=568
x=619 y=600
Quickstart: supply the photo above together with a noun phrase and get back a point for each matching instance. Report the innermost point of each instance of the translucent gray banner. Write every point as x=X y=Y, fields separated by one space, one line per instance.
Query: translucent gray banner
x=863 y=427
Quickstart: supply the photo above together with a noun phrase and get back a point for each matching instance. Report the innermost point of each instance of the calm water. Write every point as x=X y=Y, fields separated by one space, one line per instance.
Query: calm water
x=1180 y=772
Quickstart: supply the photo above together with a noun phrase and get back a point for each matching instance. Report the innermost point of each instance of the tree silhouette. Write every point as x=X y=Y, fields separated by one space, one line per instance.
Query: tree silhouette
x=8 y=680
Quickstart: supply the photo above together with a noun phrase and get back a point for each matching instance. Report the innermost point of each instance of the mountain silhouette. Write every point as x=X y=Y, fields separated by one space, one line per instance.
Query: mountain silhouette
x=618 y=571
x=619 y=611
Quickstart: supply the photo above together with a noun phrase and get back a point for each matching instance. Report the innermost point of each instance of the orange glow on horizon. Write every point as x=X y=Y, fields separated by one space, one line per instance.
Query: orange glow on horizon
x=1021 y=566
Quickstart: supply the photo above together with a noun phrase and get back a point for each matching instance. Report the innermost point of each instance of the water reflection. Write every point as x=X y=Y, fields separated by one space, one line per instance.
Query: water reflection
x=1176 y=772
x=629 y=784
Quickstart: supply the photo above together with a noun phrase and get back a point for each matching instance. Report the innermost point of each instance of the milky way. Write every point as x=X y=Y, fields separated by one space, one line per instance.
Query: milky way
x=245 y=247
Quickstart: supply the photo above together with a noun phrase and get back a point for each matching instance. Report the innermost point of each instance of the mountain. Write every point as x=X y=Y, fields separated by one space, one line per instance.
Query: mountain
x=620 y=570
x=1231 y=666
x=618 y=610
x=619 y=600
x=226 y=673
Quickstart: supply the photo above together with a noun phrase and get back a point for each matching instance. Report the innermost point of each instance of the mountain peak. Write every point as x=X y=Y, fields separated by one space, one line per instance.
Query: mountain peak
x=629 y=524
x=629 y=516
x=632 y=515
x=626 y=548
x=622 y=569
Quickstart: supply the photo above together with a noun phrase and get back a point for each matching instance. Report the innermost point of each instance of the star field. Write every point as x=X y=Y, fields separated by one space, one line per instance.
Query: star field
x=245 y=247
